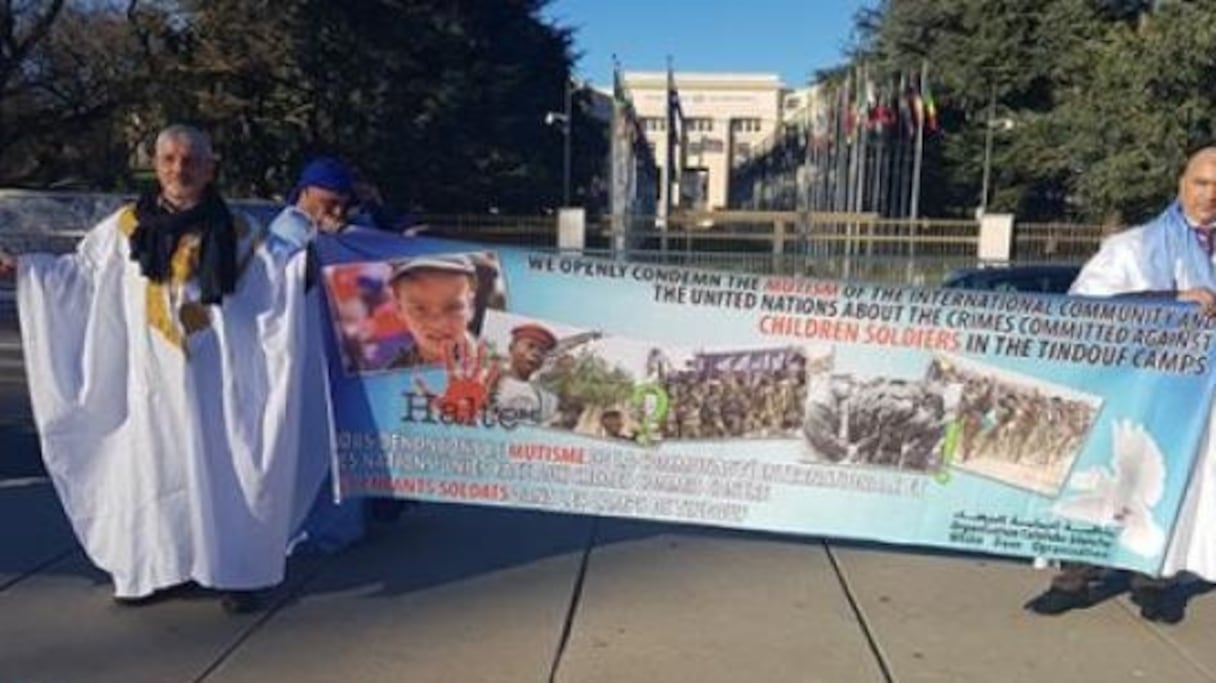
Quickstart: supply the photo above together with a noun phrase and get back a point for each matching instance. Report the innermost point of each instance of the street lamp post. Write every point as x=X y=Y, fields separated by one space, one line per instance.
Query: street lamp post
x=992 y=124
x=566 y=146
x=987 y=153
x=565 y=118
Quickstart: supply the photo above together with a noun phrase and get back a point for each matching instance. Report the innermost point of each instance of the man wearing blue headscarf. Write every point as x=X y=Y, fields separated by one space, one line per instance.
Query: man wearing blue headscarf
x=318 y=203
x=1171 y=257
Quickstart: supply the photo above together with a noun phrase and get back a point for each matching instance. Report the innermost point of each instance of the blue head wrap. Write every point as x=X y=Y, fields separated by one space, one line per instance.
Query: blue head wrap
x=326 y=173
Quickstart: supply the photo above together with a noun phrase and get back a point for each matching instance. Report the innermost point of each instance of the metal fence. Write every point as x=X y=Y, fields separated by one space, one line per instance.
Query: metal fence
x=826 y=245
x=831 y=246
x=1061 y=242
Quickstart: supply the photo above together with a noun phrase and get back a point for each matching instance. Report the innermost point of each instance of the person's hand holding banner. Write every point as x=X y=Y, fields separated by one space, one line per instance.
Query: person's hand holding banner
x=8 y=265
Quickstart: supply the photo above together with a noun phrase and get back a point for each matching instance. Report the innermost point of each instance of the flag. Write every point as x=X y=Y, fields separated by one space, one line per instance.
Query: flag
x=930 y=107
x=848 y=107
x=917 y=104
x=675 y=125
x=618 y=86
x=882 y=116
x=871 y=103
x=904 y=96
x=819 y=130
x=622 y=106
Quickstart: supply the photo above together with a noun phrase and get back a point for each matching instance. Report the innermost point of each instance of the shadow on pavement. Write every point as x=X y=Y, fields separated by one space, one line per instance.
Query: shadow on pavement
x=438 y=543
x=19 y=455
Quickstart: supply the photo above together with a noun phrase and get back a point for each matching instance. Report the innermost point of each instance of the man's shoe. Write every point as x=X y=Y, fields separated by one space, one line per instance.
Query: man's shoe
x=134 y=602
x=1159 y=605
x=1055 y=601
x=241 y=602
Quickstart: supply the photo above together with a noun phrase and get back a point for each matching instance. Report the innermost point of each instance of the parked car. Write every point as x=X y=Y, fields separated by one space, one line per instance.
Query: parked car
x=1042 y=278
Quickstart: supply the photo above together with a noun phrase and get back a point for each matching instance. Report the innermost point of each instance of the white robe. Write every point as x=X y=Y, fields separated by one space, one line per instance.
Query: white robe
x=331 y=525
x=1138 y=260
x=172 y=464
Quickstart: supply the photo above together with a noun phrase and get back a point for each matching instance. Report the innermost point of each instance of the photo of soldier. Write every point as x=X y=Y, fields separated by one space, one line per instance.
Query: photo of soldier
x=879 y=421
x=583 y=382
x=734 y=394
x=517 y=388
x=1022 y=431
x=612 y=424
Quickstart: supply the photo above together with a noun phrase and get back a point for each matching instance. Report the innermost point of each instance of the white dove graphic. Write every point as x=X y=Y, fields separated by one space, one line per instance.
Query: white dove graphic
x=1124 y=494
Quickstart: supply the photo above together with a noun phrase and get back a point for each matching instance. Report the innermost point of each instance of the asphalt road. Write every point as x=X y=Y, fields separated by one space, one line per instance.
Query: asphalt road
x=19 y=458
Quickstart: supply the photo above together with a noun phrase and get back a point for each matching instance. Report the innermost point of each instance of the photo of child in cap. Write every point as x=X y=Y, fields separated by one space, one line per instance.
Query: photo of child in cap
x=413 y=311
x=517 y=388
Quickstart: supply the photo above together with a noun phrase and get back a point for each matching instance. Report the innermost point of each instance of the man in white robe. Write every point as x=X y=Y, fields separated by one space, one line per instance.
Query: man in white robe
x=164 y=372
x=1170 y=257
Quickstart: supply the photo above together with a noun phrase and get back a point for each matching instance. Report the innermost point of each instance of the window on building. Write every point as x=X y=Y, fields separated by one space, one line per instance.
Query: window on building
x=694 y=189
x=745 y=125
x=654 y=123
x=699 y=124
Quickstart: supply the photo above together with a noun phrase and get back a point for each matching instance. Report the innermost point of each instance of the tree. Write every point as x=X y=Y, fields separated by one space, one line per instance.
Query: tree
x=1021 y=58
x=440 y=103
x=60 y=70
x=588 y=380
x=1148 y=93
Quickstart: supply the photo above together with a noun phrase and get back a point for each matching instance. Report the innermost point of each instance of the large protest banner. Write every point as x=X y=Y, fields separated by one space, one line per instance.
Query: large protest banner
x=1016 y=424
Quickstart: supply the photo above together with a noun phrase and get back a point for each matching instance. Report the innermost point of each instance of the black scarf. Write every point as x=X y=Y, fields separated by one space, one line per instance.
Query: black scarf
x=159 y=229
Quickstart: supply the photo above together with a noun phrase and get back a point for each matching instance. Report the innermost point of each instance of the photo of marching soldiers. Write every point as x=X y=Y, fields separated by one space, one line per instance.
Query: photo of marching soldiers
x=620 y=389
x=878 y=421
x=733 y=394
x=1016 y=429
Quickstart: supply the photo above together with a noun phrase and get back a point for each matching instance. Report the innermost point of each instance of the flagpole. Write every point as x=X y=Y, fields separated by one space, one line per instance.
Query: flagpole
x=843 y=147
x=920 y=142
x=880 y=154
x=618 y=180
x=854 y=145
x=808 y=133
x=829 y=181
x=896 y=204
x=909 y=145
x=669 y=159
x=987 y=151
x=863 y=156
x=885 y=115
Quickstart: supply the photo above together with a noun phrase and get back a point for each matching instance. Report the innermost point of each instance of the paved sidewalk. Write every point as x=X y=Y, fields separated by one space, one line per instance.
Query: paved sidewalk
x=466 y=594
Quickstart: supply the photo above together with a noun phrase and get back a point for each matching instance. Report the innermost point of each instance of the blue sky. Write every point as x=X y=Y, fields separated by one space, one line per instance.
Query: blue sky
x=792 y=38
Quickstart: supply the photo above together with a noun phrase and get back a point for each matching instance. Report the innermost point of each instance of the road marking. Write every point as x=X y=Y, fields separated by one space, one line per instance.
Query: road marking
x=24 y=481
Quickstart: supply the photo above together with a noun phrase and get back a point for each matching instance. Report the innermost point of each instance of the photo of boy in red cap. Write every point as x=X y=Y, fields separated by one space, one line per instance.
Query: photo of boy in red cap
x=517 y=389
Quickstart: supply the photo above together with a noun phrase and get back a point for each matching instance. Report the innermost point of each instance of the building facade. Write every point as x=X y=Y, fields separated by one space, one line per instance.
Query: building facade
x=728 y=117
